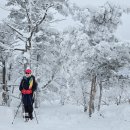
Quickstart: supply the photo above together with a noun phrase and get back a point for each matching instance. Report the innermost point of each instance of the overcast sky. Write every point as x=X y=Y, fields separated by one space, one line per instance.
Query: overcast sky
x=123 y=31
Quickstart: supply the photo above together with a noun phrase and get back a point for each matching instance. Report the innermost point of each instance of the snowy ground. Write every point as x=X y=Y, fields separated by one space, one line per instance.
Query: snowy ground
x=69 y=117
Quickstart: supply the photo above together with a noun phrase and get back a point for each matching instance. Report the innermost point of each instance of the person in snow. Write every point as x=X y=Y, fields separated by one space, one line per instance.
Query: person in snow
x=27 y=87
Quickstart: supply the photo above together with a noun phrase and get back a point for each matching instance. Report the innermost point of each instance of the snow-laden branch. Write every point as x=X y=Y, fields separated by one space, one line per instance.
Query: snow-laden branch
x=57 y=20
x=38 y=23
x=44 y=15
x=1 y=65
x=48 y=82
x=14 y=29
x=4 y=46
x=27 y=13
x=18 y=37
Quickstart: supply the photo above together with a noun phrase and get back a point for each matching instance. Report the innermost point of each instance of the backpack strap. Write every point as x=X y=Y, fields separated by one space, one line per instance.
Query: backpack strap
x=30 y=83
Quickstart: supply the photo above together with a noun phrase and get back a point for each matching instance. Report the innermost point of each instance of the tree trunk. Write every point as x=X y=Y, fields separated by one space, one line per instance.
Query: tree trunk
x=5 y=95
x=92 y=95
x=100 y=96
x=84 y=99
x=4 y=76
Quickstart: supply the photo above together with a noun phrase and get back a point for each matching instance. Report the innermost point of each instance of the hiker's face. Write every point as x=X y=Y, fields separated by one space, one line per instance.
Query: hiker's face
x=28 y=74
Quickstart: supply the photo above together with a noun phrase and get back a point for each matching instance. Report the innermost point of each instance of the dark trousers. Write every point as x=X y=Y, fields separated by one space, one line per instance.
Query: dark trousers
x=27 y=100
x=29 y=110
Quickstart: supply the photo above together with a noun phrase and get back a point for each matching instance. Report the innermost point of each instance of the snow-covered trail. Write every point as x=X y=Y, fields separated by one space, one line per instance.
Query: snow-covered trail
x=50 y=117
x=69 y=117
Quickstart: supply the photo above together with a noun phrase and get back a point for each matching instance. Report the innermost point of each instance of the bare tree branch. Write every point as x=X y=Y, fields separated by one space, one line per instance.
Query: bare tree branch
x=16 y=49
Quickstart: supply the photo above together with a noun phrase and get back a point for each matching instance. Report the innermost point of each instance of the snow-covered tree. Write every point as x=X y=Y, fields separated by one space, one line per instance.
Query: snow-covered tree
x=6 y=39
x=28 y=17
x=38 y=42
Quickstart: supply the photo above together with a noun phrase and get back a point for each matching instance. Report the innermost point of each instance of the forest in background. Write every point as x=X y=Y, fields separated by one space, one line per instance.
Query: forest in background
x=85 y=65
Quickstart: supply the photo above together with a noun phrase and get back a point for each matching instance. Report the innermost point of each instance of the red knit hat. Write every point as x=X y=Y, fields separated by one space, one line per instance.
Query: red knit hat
x=28 y=71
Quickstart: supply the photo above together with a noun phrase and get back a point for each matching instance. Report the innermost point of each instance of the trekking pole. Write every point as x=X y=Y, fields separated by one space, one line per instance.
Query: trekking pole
x=17 y=112
x=35 y=116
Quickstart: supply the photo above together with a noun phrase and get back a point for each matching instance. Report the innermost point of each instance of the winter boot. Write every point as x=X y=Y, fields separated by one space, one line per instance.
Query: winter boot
x=31 y=116
x=26 y=117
